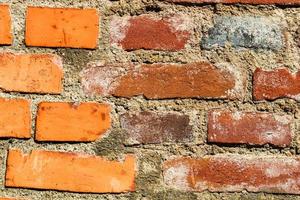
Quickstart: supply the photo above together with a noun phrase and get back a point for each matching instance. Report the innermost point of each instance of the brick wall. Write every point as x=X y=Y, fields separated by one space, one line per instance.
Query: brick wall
x=150 y=99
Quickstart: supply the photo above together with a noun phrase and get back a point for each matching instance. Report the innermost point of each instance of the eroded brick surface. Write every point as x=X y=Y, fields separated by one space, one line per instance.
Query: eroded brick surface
x=32 y=73
x=165 y=81
x=254 y=128
x=275 y=84
x=234 y=173
x=148 y=32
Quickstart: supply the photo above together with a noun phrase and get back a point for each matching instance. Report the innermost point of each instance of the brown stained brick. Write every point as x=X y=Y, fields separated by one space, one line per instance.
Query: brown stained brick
x=69 y=172
x=150 y=127
x=148 y=32
x=280 y=2
x=164 y=81
x=15 y=118
x=62 y=27
x=5 y=25
x=253 y=128
x=62 y=121
x=234 y=173
x=279 y=83
x=32 y=73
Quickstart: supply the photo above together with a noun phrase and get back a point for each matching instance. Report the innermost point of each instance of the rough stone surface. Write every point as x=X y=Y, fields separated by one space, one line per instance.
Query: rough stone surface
x=150 y=127
x=244 y=32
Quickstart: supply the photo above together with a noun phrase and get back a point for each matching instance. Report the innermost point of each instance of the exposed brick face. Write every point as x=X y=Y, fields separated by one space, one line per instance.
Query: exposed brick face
x=62 y=121
x=15 y=118
x=31 y=73
x=275 y=84
x=280 y=2
x=150 y=127
x=149 y=99
x=5 y=25
x=234 y=173
x=69 y=172
x=165 y=81
x=148 y=32
x=67 y=27
x=253 y=128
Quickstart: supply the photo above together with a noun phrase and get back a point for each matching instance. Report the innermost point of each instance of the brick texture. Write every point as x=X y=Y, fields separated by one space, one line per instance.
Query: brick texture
x=241 y=32
x=150 y=127
x=234 y=173
x=279 y=83
x=253 y=128
x=280 y=2
x=32 y=73
x=148 y=32
x=164 y=81
x=69 y=172
x=67 y=27
x=5 y=25
x=62 y=121
x=15 y=118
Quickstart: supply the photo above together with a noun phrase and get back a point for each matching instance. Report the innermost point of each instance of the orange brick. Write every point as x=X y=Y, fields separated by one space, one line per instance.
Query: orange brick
x=33 y=73
x=60 y=121
x=15 y=119
x=5 y=25
x=69 y=172
x=62 y=27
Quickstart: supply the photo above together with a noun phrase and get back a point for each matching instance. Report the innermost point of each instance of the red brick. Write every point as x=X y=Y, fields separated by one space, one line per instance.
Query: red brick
x=69 y=172
x=151 y=127
x=163 y=81
x=279 y=83
x=64 y=27
x=148 y=32
x=15 y=118
x=61 y=121
x=32 y=73
x=234 y=173
x=5 y=25
x=280 y=2
x=254 y=128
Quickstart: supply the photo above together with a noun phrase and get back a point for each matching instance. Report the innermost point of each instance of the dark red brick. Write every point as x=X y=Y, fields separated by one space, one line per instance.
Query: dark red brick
x=151 y=127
